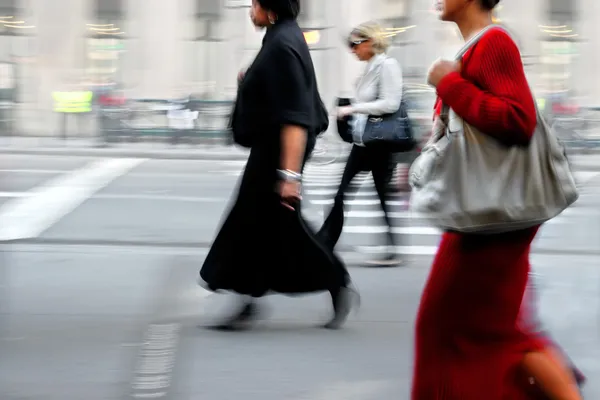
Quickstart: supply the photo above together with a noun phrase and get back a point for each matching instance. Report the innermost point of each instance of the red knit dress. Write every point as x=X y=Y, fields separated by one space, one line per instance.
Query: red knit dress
x=468 y=345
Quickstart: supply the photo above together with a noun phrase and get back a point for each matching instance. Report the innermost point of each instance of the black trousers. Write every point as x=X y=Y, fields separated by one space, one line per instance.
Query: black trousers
x=377 y=160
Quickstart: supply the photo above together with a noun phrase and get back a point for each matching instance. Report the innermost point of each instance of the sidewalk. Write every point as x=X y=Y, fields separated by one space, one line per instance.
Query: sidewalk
x=90 y=148
x=158 y=150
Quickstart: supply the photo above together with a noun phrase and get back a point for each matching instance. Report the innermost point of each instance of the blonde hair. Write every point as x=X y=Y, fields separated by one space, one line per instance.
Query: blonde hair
x=375 y=32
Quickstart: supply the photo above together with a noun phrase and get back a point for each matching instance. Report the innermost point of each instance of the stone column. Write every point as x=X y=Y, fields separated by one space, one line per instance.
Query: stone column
x=61 y=56
x=524 y=18
x=588 y=61
x=157 y=29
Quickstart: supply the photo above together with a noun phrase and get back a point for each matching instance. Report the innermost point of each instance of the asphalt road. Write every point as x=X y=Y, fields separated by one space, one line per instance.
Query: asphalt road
x=98 y=299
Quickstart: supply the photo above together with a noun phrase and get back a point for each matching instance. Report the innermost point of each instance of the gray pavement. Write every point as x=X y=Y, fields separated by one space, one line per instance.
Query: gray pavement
x=102 y=303
x=89 y=147
x=214 y=150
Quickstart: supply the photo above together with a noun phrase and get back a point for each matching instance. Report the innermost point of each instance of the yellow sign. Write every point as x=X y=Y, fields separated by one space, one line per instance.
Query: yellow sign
x=312 y=37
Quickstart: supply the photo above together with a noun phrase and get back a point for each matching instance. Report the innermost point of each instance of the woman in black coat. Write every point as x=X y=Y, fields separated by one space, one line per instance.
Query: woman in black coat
x=264 y=244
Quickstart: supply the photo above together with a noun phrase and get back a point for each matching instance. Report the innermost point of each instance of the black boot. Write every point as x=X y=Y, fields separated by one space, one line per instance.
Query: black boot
x=344 y=299
x=241 y=320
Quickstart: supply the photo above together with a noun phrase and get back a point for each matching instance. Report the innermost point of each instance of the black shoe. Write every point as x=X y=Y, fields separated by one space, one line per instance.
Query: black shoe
x=344 y=301
x=241 y=320
x=388 y=261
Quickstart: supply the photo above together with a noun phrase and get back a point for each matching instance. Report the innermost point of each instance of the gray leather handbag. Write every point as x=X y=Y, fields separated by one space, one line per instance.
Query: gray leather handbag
x=466 y=181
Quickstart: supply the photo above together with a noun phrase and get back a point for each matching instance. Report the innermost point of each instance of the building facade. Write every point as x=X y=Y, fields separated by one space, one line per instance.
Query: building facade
x=167 y=49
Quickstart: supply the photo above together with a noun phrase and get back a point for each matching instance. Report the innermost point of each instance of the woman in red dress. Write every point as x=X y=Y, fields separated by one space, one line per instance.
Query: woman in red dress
x=468 y=342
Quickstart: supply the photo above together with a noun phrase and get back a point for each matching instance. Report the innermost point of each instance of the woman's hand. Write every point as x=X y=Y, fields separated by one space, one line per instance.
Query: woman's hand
x=290 y=193
x=440 y=69
x=344 y=111
x=241 y=75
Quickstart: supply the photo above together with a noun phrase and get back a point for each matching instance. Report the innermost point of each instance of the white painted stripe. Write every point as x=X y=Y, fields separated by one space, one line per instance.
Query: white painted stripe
x=13 y=194
x=355 y=202
x=36 y=171
x=379 y=213
x=32 y=215
x=154 y=197
x=332 y=192
x=584 y=176
x=570 y=212
x=348 y=390
x=321 y=174
x=408 y=250
x=411 y=230
x=357 y=183
x=153 y=374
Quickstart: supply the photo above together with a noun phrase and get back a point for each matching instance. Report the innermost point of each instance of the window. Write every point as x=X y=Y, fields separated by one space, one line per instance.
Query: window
x=9 y=8
x=106 y=12
x=208 y=14
x=562 y=12
x=205 y=46
x=208 y=7
x=14 y=10
x=106 y=39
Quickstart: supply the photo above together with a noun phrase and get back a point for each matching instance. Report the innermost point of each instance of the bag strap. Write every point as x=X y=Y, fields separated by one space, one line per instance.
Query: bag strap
x=474 y=40
x=379 y=81
x=379 y=73
x=468 y=45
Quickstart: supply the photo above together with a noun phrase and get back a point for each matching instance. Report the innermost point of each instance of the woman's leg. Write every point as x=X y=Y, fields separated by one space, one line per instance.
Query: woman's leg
x=382 y=167
x=548 y=368
x=331 y=230
x=551 y=375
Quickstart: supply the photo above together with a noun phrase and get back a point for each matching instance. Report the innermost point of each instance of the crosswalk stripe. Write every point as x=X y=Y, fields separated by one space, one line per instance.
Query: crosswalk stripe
x=333 y=192
x=358 y=183
x=363 y=213
x=406 y=250
x=573 y=211
x=355 y=202
x=412 y=230
x=348 y=390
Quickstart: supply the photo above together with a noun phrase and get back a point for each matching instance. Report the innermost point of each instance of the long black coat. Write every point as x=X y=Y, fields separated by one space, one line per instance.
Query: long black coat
x=262 y=246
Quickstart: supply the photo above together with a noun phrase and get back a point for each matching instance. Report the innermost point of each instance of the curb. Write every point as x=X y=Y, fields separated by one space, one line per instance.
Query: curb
x=186 y=155
x=113 y=153
x=156 y=155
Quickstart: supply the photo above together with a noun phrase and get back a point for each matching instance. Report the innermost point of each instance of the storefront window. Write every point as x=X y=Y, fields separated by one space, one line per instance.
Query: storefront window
x=106 y=42
x=15 y=31
x=206 y=43
x=559 y=45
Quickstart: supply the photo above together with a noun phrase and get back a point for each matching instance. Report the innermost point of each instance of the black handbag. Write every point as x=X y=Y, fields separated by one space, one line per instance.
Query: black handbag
x=393 y=131
x=344 y=125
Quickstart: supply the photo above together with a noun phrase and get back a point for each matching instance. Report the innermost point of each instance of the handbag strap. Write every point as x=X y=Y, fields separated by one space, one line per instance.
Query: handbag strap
x=468 y=45
x=380 y=71
x=473 y=41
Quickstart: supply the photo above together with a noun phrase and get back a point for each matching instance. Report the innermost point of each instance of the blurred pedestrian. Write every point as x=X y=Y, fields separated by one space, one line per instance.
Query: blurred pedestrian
x=378 y=92
x=468 y=343
x=265 y=245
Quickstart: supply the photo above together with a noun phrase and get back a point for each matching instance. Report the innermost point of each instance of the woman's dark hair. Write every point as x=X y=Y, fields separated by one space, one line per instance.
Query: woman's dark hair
x=284 y=9
x=489 y=4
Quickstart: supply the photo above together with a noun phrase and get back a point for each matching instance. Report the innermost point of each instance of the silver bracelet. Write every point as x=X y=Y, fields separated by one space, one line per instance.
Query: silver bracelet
x=289 y=175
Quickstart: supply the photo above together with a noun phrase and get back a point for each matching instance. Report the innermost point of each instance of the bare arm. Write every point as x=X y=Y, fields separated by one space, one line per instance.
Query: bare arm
x=293 y=143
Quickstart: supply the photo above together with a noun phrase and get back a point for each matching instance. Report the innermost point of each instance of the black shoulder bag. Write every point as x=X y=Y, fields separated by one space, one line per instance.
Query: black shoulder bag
x=393 y=131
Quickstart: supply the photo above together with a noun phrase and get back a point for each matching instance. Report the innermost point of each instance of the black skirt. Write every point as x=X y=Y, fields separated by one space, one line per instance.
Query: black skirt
x=264 y=247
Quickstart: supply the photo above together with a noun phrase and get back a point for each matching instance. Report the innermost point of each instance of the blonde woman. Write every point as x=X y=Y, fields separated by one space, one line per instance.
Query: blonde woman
x=378 y=92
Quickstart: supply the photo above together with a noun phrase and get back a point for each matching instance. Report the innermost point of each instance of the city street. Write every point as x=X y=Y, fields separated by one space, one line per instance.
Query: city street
x=98 y=298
